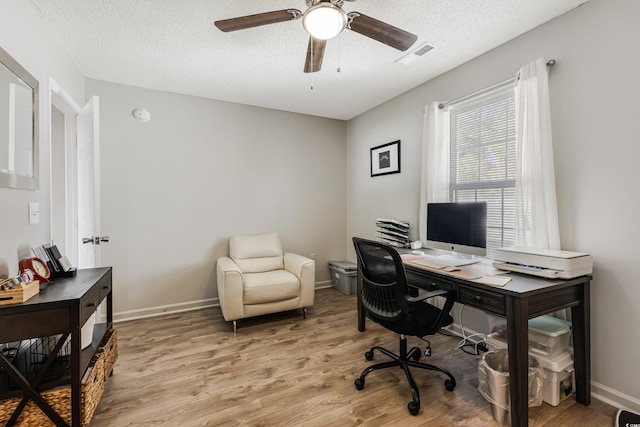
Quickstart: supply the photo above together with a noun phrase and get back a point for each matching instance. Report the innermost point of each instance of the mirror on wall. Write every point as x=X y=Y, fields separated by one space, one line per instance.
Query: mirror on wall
x=18 y=125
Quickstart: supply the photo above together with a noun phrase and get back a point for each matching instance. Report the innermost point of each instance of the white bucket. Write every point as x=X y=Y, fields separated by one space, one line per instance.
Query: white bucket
x=87 y=331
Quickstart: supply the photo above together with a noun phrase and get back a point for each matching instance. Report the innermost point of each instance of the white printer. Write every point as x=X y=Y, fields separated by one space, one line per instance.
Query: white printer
x=543 y=262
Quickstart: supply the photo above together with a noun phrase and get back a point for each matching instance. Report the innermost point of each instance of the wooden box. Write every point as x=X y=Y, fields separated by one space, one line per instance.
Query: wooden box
x=19 y=293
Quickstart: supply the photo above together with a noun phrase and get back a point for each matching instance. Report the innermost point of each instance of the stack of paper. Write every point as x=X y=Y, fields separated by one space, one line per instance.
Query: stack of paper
x=393 y=232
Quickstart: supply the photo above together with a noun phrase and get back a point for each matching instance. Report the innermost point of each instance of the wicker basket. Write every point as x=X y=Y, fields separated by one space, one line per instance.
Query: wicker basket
x=110 y=347
x=59 y=398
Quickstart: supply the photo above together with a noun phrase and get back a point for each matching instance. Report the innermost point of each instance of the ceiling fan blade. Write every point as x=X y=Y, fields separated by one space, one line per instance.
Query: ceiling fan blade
x=381 y=31
x=250 y=21
x=315 y=53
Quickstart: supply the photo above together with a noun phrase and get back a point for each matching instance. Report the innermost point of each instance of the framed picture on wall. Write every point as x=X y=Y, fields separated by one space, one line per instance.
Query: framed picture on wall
x=385 y=159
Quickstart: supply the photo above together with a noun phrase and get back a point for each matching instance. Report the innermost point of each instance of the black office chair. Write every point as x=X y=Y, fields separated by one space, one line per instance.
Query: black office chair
x=386 y=300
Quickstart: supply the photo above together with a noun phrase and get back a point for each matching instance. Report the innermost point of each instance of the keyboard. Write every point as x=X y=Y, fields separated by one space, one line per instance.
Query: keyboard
x=445 y=261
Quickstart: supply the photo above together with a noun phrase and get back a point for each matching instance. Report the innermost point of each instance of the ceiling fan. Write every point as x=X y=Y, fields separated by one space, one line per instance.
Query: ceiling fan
x=323 y=20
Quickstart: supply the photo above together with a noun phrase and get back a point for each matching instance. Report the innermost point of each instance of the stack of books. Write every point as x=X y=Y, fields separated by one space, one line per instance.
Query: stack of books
x=58 y=264
x=393 y=232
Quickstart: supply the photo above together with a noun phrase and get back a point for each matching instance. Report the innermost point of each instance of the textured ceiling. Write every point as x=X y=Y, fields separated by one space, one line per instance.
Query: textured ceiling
x=173 y=46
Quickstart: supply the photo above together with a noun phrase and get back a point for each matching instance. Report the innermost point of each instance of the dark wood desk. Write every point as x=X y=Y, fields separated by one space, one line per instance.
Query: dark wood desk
x=60 y=308
x=523 y=298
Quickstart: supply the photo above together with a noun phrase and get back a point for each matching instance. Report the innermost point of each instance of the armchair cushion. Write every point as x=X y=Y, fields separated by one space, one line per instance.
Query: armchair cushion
x=271 y=286
x=256 y=254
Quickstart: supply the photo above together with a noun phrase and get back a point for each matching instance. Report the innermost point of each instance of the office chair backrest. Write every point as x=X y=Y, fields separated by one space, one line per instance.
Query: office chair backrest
x=384 y=284
x=385 y=293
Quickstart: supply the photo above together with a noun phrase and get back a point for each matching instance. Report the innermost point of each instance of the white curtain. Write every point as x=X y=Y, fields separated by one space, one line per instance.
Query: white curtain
x=434 y=185
x=536 y=206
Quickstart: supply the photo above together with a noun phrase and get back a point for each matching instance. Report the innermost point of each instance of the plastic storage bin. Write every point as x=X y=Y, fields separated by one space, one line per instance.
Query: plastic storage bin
x=559 y=377
x=548 y=335
x=343 y=276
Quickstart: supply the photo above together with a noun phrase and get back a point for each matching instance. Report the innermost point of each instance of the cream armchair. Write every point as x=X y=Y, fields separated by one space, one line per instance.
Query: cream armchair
x=258 y=278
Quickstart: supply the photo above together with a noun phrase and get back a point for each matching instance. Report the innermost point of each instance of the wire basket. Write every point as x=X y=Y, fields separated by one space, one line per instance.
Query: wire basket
x=28 y=356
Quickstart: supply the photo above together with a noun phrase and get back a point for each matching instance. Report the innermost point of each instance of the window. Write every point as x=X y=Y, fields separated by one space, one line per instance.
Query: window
x=483 y=158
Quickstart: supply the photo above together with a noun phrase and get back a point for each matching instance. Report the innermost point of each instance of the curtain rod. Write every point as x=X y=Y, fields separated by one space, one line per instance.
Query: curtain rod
x=550 y=63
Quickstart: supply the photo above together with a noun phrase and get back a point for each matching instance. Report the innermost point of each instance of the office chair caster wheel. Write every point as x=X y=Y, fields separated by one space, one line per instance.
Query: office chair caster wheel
x=449 y=385
x=369 y=355
x=359 y=383
x=413 y=408
x=416 y=356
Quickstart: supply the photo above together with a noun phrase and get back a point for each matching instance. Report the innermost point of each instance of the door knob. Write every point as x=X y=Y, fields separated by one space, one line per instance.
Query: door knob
x=95 y=239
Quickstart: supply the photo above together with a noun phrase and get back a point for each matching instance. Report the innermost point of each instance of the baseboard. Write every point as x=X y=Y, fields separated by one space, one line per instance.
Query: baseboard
x=164 y=310
x=456 y=329
x=614 y=397
x=324 y=285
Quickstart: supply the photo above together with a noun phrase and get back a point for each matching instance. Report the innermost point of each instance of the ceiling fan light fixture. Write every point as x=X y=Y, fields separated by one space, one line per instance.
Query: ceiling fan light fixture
x=324 y=20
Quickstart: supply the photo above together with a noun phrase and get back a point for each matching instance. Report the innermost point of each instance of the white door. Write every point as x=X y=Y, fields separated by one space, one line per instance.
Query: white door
x=88 y=179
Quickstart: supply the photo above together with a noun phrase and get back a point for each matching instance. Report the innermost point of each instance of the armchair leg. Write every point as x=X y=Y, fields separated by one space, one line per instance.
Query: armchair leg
x=304 y=312
x=235 y=327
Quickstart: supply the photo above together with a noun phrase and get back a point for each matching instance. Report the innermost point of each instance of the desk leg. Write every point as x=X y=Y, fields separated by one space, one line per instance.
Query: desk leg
x=518 y=341
x=580 y=316
x=361 y=313
x=76 y=398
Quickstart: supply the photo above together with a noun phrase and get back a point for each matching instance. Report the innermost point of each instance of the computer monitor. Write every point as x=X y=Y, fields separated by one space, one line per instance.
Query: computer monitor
x=458 y=227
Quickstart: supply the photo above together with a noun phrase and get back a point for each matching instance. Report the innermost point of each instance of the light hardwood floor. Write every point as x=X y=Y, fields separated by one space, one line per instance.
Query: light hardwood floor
x=190 y=370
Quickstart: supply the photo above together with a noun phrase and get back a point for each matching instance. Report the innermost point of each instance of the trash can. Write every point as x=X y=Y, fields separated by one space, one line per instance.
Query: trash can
x=493 y=384
x=343 y=276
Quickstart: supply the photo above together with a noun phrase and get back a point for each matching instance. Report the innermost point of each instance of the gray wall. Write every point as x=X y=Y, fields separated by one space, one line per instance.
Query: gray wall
x=174 y=189
x=24 y=36
x=594 y=116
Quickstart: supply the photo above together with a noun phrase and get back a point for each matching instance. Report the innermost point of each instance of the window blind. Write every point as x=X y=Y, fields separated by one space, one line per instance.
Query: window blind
x=483 y=158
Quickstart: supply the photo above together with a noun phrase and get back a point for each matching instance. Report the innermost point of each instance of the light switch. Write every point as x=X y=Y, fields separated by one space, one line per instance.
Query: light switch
x=34 y=213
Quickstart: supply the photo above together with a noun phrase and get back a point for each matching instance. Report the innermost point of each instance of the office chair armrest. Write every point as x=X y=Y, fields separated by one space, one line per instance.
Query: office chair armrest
x=441 y=319
x=439 y=292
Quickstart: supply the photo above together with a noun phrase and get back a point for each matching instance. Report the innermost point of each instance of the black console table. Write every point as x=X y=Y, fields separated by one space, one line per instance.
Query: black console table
x=523 y=298
x=61 y=308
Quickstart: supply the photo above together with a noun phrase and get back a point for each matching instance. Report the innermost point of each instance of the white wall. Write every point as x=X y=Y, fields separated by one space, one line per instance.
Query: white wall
x=176 y=188
x=25 y=37
x=594 y=113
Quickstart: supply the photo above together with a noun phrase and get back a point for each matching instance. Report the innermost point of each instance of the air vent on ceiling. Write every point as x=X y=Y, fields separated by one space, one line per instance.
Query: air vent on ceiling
x=415 y=54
